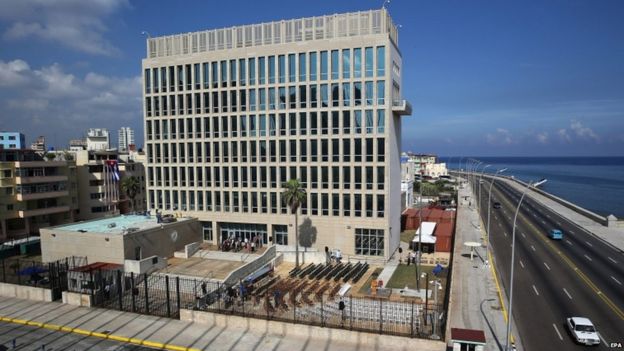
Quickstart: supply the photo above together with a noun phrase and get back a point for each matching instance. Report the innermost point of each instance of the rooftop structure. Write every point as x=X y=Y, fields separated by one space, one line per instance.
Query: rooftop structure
x=12 y=140
x=98 y=139
x=39 y=144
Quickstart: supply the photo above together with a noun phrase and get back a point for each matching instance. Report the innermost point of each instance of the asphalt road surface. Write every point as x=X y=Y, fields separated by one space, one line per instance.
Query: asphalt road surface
x=554 y=279
x=38 y=339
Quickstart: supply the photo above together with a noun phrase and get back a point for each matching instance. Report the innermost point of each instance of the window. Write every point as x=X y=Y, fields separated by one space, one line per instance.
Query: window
x=281 y=68
x=357 y=63
x=346 y=177
x=368 y=53
x=324 y=65
x=271 y=69
x=262 y=70
x=233 y=78
x=280 y=234
x=346 y=63
x=242 y=73
x=224 y=73
x=380 y=92
x=381 y=121
x=357 y=93
x=313 y=58
x=381 y=149
x=324 y=96
x=369 y=121
x=346 y=122
x=346 y=205
x=302 y=67
x=369 y=93
x=346 y=94
x=252 y=71
x=335 y=67
x=369 y=242
x=381 y=61
x=292 y=68
x=380 y=178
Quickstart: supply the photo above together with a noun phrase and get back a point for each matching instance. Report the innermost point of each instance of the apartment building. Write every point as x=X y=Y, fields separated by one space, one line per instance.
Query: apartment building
x=231 y=114
x=12 y=140
x=34 y=193
x=98 y=139
x=99 y=175
x=125 y=138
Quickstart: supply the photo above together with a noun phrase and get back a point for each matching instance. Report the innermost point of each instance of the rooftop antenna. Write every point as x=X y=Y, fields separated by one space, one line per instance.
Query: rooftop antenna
x=384 y=4
x=147 y=34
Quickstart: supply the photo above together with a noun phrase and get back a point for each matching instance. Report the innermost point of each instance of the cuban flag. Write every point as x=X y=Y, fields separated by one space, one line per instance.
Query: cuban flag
x=113 y=169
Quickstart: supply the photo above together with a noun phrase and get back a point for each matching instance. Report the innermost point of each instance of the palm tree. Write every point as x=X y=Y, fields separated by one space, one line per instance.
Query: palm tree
x=294 y=195
x=131 y=186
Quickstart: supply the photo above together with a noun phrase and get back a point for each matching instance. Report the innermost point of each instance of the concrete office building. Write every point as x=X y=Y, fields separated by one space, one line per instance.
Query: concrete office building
x=12 y=140
x=125 y=138
x=98 y=139
x=231 y=114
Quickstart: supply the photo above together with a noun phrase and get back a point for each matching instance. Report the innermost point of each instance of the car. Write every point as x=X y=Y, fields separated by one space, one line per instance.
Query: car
x=497 y=205
x=583 y=331
x=555 y=234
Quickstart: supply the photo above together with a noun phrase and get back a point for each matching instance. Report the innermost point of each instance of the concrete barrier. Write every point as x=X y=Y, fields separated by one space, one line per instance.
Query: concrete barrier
x=25 y=292
x=247 y=269
x=77 y=299
x=282 y=329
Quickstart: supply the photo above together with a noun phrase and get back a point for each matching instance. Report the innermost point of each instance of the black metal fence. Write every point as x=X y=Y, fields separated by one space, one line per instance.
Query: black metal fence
x=50 y=275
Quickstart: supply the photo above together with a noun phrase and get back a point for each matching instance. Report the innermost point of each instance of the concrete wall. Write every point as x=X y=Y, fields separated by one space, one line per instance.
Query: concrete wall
x=162 y=241
x=76 y=299
x=146 y=265
x=25 y=292
x=282 y=329
x=57 y=244
x=251 y=267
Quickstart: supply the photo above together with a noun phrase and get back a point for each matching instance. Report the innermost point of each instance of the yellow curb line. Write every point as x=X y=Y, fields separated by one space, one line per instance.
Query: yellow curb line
x=55 y=327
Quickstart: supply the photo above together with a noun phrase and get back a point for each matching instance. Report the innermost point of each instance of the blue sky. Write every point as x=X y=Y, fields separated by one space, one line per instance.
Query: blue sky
x=497 y=78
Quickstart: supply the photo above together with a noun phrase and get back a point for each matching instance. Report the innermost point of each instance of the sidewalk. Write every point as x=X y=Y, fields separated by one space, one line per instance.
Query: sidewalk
x=475 y=302
x=613 y=236
x=171 y=334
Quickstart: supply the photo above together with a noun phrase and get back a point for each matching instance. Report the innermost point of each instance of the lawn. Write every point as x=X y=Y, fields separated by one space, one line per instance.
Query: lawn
x=365 y=289
x=408 y=235
x=406 y=275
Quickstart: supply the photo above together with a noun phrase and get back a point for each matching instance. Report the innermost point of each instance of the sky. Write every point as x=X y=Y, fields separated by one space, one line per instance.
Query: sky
x=485 y=78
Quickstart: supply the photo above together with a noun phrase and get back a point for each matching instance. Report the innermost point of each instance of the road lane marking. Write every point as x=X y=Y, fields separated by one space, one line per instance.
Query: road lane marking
x=521 y=264
x=589 y=258
x=617 y=281
x=546 y=266
x=603 y=340
x=612 y=260
x=535 y=289
x=569 y=242
x=558 y=333
x=567 y=293
x=532 y=247
x=590 y=245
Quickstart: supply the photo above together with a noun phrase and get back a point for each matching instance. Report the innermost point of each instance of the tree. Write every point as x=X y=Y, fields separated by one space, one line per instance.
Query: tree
x=294 y=195
x=50 y=156
x=131 y=186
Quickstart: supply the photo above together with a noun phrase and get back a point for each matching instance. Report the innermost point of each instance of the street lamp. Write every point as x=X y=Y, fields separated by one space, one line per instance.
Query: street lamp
x=513 y=252
x=480 y=180
x=487 y=237
x=426 y=276
x=436 y=286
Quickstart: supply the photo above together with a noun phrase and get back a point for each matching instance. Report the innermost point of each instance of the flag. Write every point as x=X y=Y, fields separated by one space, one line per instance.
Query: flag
x=114 y=169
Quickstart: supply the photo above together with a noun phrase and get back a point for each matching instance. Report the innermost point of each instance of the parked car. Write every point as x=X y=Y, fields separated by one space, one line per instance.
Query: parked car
x=555 y=234
x=583 y=331
x=497 y=205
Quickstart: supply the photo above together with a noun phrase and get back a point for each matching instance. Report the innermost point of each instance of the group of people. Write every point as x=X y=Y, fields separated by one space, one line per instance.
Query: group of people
x=236 y=244
x=412 y=256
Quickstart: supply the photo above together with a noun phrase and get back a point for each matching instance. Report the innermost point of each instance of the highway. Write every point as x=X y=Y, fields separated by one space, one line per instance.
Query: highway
x=577 y=276
x=35 y=338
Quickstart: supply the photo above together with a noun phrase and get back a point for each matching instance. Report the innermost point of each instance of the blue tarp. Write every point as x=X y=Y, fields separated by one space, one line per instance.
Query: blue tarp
x=32 y=270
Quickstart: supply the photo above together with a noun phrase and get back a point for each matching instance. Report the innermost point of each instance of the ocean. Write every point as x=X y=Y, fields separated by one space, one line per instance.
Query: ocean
x=595 y=183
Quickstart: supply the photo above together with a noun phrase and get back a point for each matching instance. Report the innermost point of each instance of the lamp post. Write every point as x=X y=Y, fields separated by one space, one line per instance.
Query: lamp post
x=426 y=276
x=511 y=274
x=481 y=179
x=487 y=237
x=436 y=285
x=474 y=171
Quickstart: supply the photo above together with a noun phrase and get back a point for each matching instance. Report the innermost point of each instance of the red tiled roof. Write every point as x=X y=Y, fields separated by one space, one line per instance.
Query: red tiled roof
x=104 y=266
x=470 y=335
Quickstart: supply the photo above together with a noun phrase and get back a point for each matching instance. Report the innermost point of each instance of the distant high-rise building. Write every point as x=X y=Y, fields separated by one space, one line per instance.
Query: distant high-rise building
x=125 y=138
x=98 y=139
x=77 y=145
x=232 y=114
x=12 y=140
x=39 y=144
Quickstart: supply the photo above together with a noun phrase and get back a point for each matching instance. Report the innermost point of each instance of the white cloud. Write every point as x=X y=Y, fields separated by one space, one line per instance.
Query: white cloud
x=584 y=132
x=76 y=24
x=564 y=136
x=542 y=137
x=501 y=137
x=50 y=101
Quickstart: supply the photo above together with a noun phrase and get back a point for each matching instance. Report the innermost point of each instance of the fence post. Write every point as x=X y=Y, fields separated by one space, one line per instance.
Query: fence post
x=119 y=291
x=132 y=286
x=19 y=277
x=3 y=271
x=146 y=294
x=350 y=312
x=167 y=293
x=92 y=286
x=322 y=313
x=412 y=321
x=380 y=316
x=178 y=293
x=295 y=306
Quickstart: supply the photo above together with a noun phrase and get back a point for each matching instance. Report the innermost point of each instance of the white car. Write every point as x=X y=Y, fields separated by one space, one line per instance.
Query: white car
x=583 y=331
